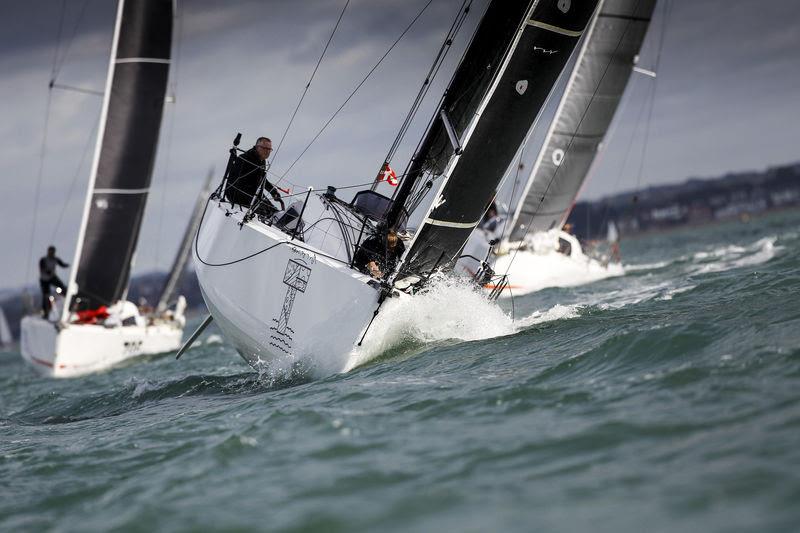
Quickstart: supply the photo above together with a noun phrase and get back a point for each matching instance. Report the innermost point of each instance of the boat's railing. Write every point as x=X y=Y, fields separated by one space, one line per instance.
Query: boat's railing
x=354 y=226
x=321 y=232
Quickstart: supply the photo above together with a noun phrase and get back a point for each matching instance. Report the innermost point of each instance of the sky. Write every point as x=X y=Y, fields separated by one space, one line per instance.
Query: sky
x=726 y=99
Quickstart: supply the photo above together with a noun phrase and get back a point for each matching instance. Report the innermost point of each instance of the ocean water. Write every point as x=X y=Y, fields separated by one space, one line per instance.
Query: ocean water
x=664 y=400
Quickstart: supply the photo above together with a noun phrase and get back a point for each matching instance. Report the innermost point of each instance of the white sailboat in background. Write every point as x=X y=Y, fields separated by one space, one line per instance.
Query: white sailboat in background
x=535 y=252
x=285 y=293
x=94 y=327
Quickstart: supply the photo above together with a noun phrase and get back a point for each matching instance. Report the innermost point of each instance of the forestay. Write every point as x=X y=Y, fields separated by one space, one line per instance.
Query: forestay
x=125 y=151
x=498 y=90
x=606 y=59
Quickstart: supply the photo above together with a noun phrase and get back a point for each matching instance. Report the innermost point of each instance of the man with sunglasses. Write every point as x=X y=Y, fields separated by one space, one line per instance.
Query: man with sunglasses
x=247 y=173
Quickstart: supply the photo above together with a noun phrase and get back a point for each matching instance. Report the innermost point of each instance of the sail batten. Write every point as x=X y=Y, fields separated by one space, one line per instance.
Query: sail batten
x=555 y=29
x=125 y=152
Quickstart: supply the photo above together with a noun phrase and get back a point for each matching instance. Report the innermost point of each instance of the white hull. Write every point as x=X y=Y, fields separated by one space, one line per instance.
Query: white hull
x=80 y=349
x=537 y=264
x=290 y=304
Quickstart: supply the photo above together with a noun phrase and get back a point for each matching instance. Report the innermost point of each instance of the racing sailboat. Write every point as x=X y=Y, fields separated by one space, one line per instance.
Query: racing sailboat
x=96 y=327
x=536 y=252
x=285 y=290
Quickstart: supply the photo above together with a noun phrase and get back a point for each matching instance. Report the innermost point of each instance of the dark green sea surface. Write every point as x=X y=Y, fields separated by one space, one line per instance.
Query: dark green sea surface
x=664 y=400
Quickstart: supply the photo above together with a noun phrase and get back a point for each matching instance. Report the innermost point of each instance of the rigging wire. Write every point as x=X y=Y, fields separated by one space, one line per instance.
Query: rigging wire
x=89 y=141
x=438 y=61
x=667 y=10
x=308 y=85
x=513 y=193
x=364 y=80
x=170 y=135
x=60 y=62
x=74 y=89
x=626 y=158
x=43 y=149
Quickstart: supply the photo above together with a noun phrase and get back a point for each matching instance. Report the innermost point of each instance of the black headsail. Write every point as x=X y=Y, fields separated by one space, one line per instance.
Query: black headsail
x=598 y=80
x=498 y=90
x=125 y=151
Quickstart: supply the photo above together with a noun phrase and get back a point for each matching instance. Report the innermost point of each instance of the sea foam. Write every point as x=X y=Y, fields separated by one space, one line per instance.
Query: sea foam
x=449 y=309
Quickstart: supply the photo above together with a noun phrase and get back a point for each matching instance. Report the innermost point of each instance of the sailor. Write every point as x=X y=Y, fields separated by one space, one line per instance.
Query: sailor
x=564 y=246
x=492 y=223
x=379 y=254
x=48 y=277
x=247 y=173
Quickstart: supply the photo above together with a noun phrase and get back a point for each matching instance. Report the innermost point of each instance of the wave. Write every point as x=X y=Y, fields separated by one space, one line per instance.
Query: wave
x=734 y=256
x=647 y=266
x=449 y=310
x=557 y=312
x=74 y=406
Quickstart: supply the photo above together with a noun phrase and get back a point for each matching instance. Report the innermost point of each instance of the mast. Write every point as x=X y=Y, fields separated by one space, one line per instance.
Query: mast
x=185 y=248
x=124 y=155
x=592 y=95
x=495 y=96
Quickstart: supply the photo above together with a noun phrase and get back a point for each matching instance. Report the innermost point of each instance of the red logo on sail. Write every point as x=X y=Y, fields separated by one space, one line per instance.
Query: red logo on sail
x=388 y=175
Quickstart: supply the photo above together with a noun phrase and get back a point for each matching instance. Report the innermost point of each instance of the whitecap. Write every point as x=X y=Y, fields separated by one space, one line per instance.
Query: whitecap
x=557 y=312
x=214 y=339
x=646 y=266
x=733 y=256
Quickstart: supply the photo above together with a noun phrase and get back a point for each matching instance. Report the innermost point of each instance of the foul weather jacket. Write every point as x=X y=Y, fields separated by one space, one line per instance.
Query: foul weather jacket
x=245 y=176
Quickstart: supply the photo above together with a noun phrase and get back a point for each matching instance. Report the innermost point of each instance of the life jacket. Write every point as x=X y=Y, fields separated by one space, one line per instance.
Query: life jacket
x=92 y=316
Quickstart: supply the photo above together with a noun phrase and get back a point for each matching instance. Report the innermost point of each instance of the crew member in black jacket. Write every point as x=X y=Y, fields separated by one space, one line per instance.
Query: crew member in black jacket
x=246 y=174
x=378 y=255
x=48 y=277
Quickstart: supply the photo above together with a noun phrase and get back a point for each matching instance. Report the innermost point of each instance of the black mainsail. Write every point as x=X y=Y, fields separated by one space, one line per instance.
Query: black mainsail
x=598 y=80
x=125 y=152
x=495 y=96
